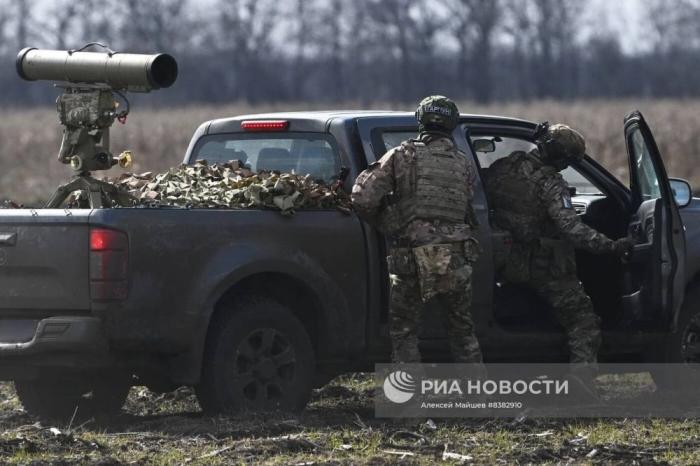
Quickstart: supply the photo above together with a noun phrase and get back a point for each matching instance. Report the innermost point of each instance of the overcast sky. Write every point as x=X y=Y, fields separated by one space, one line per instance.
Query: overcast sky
x=626 y=17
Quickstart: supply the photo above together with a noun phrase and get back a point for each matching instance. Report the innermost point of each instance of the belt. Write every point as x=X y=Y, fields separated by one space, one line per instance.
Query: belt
x=404 y=243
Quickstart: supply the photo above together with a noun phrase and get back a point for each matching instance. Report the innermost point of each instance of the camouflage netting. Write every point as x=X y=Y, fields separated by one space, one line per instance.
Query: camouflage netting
x=232 y=186
x=8 y=204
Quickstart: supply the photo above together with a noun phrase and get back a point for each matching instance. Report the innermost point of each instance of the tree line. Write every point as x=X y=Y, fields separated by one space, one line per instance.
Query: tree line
x=365 y=51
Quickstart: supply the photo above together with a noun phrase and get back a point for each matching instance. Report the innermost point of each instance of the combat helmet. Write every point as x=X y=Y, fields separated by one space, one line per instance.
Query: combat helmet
x=437 y=112
x=559 y=144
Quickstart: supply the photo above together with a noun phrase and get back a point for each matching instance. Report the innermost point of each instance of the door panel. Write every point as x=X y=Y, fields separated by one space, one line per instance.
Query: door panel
x=656 y=226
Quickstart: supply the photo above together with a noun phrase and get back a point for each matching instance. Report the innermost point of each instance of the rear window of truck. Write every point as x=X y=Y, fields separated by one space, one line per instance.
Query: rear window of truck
x=301 y=153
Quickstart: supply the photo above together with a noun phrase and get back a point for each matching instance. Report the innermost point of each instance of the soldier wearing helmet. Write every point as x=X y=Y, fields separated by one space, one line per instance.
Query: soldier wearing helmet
x=531 y=200
x=419 y=195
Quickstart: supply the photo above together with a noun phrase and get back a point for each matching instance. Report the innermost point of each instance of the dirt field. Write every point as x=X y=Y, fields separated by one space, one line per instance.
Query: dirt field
x=338 y=428
x=29 y=139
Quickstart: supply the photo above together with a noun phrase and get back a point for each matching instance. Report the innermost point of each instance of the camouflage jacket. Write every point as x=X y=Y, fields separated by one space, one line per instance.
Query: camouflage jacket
x=531 y=200
x=378 y=187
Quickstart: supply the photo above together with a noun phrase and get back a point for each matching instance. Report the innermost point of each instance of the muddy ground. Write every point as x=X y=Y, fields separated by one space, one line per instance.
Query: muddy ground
x=337 y=428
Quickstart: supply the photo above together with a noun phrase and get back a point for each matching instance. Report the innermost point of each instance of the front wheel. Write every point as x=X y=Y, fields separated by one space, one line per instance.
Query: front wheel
x=258 y=358
x=683 y=346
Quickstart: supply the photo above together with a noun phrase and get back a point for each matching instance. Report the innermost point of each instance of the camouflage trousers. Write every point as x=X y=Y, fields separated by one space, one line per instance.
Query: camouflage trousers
x=548 y=267
x=407 y=305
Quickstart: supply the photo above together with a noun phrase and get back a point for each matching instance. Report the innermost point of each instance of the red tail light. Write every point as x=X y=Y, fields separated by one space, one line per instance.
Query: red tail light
x=107 y=240
x=109 y=264
x=265 y=125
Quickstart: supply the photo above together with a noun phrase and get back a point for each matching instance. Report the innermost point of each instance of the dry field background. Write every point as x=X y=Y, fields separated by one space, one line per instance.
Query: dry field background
x=29 y=139
x=338 y=428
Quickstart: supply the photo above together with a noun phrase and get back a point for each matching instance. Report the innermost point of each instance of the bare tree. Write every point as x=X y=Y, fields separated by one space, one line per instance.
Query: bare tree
x=155 y=25
x=244 y=33
x=474 y=23
x=5 y=17
x=57 y=25
x=370 y=51
x=23 y=18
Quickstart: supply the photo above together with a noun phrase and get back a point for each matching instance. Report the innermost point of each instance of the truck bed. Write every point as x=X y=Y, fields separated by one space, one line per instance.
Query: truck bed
x=181 y=265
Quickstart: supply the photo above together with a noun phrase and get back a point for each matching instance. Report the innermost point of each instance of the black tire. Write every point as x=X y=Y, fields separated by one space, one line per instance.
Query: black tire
x=57 y=397
x=258 y=358
x=682 y=346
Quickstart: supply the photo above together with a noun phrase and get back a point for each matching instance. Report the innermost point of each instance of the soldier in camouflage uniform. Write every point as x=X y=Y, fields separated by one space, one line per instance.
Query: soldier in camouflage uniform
x=419 y=195
x=531 y=200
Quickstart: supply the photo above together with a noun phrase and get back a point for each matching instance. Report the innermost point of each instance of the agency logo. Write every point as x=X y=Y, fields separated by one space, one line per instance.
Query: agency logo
x=399 y=387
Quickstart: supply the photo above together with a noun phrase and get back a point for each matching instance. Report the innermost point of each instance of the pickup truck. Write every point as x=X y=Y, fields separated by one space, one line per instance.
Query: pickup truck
x=255 y=309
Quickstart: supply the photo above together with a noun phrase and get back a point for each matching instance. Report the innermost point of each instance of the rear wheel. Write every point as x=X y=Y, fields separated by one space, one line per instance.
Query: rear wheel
x=60 y=397
x=258 y=358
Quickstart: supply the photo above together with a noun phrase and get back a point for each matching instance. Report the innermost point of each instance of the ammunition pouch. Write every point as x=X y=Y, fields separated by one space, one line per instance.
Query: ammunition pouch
x=438 y=267
x=400 y=261
x=435 y=266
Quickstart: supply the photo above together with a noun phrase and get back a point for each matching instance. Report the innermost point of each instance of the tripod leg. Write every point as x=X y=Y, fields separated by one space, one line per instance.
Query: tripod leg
x=95 y=195
x=100 y=194
x=62 y=193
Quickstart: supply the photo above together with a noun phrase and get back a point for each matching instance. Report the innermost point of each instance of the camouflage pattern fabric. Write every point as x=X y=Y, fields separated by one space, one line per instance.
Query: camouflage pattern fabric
x=430 y=257
x=10 y=204
x=407 y=304
x=231 y=186
x=380 y=190
x=531 y=200
x=548 y=267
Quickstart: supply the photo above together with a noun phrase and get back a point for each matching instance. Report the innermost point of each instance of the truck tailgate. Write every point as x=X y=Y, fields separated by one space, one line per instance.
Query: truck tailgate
x=44 y=261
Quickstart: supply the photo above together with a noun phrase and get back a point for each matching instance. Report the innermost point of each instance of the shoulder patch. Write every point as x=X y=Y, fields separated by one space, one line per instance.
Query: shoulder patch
x=566 y=201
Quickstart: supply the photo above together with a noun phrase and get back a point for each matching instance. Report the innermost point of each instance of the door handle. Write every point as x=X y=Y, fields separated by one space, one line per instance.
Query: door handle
x=8 y=239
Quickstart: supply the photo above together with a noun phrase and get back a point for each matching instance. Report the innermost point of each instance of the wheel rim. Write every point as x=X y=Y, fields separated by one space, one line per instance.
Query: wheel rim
x=690 y=343
x=264 y=368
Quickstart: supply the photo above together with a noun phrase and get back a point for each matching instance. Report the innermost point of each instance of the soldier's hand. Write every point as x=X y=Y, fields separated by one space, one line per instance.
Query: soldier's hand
x=623 y=247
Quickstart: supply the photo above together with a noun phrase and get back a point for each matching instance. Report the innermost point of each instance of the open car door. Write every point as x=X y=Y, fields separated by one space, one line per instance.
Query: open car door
x=656 y=274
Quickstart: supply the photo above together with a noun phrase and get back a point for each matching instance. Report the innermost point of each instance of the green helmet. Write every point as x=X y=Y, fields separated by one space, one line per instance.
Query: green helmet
x=560 y=144
x=437 y=112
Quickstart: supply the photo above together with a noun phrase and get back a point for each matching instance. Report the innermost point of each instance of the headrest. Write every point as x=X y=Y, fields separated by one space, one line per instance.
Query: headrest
x=273 y=158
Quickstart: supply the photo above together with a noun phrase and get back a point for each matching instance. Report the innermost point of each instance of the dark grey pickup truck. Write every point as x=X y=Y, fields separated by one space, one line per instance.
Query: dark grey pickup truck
x=255 y=309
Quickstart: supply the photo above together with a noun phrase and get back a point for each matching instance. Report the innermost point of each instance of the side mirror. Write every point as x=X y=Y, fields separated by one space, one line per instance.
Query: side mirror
x=682 y=192
x=484 y=145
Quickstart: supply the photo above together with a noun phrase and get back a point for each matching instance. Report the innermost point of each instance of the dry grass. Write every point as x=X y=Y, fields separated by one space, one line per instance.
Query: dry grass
x=29 y=139
x=338 y=428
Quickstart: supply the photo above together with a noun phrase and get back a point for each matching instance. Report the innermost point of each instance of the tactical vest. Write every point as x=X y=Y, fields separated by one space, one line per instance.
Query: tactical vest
x=439 y=188
x=513 y=188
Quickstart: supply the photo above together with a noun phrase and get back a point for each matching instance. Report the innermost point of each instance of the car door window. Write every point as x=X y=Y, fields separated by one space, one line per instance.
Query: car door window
x=391 y=139
x=507 y=145
x=643 y=170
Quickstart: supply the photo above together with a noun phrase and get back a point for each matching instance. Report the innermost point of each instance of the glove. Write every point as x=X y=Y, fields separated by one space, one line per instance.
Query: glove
x=623 y=247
